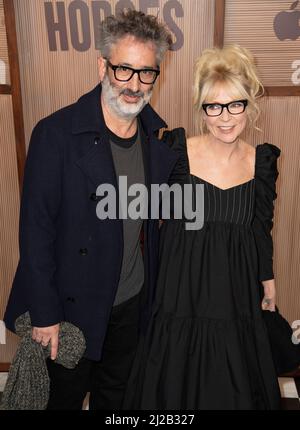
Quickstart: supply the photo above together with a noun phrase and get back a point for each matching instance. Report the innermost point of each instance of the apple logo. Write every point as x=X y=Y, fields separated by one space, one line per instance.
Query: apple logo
x=286 y=23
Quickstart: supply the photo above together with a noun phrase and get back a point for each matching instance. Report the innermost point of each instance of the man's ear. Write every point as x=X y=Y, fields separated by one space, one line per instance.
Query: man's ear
x=101 y=68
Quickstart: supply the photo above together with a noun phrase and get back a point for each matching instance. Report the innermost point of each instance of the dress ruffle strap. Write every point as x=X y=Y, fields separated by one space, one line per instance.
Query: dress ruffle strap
x=176 y=140
x=266 y=174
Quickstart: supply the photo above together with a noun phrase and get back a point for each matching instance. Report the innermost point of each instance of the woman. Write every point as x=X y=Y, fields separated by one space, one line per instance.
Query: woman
x=207 y=345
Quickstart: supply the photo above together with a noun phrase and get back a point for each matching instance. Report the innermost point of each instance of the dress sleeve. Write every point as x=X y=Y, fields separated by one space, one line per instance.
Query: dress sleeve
x=265 y=193
x=176 y=140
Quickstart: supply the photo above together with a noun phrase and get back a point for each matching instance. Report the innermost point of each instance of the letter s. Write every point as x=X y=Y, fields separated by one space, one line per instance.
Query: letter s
x=179 y=13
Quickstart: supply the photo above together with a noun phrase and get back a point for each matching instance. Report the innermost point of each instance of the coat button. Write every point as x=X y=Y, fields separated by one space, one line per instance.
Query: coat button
x=71 y=299
x=83 y=251
x=97 y=140
x=93 y=197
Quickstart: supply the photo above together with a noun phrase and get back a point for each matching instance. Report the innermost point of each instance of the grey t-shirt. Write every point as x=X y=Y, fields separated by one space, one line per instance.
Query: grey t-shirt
x=128 y=161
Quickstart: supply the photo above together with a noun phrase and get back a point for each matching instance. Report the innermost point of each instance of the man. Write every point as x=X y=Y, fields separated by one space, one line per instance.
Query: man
x=74 y=266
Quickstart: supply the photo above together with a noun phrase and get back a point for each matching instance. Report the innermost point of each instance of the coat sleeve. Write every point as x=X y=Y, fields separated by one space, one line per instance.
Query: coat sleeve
x=40 y=203
x=265 y=179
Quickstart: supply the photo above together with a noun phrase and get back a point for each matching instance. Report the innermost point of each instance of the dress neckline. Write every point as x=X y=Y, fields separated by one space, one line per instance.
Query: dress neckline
x=223 y=189
x=234 y=186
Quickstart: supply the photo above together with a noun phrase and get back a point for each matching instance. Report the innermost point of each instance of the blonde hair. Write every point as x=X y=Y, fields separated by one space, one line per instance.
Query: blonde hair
x=234 y=67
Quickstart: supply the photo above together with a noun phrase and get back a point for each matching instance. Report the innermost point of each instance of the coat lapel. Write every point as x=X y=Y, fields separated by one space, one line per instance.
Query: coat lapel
x=98 y=164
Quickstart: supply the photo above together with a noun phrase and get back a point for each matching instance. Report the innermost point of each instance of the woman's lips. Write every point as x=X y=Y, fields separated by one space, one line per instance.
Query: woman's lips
x=226 y=129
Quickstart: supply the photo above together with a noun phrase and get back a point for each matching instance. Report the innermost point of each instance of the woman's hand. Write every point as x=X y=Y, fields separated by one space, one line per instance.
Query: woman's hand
x=268 y=302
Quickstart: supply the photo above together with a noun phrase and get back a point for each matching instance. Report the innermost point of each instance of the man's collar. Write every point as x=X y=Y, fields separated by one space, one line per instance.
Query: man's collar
x=151 y=121
x=88 y=115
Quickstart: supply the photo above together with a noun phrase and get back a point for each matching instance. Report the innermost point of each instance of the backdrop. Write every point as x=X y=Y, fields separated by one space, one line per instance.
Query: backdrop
x=57 y=43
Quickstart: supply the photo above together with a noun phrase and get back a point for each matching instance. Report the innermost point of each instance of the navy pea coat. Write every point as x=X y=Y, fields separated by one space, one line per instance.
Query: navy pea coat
x=70 y=260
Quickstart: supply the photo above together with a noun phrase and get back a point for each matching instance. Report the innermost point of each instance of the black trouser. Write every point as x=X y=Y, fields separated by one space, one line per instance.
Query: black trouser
x=106 y=379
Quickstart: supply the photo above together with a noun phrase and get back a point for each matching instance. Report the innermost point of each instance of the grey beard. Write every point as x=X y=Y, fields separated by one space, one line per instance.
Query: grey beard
x=111 y=98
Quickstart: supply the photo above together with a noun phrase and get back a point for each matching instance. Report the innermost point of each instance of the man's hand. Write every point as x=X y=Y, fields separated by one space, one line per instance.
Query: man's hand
x=44 y=335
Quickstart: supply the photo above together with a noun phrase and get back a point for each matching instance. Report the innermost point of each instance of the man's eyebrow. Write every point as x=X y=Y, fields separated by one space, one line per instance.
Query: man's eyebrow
x=140 y=68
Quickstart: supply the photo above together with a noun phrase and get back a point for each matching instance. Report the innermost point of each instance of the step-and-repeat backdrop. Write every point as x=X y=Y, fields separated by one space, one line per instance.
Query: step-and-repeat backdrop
x=58 y=50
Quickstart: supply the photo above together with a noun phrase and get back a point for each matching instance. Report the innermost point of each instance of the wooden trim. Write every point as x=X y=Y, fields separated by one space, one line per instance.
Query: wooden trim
x=5 y=89
x=9 y=13
x=283 y=91
x=4 y=367
x=219 y=23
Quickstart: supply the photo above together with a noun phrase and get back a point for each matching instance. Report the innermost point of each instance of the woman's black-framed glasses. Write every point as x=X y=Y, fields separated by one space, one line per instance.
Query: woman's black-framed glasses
x=125 y=73
x=234 y=108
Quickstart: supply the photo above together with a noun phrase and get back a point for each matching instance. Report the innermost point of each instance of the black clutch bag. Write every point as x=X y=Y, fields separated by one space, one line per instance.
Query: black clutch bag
x=286 y=354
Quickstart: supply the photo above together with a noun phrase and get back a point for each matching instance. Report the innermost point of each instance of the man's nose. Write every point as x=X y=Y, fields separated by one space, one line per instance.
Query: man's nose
x=134 y=83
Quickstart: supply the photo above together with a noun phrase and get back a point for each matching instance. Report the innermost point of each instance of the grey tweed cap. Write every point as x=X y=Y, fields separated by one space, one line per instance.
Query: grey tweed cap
x=27 y=386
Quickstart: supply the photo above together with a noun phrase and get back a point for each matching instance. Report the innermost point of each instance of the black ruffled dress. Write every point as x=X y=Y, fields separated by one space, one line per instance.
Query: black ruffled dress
x=207 y=346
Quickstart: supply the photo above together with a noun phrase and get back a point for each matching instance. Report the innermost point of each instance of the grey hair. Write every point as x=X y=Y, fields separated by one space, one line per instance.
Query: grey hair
x=144 y=28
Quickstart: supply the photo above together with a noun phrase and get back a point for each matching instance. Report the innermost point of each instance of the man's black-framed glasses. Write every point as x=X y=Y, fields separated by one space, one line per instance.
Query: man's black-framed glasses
x=234 y=108
x=125 y=73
